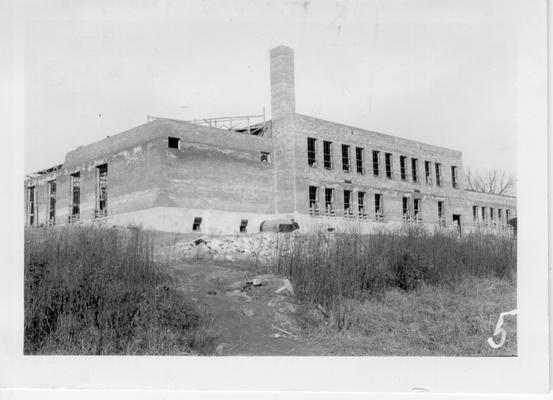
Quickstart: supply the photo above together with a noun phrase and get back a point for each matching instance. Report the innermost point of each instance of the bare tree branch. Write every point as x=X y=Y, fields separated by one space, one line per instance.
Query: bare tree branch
x=492 y=181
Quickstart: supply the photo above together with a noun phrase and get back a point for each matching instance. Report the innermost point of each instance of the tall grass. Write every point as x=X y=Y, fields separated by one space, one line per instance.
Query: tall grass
x=326 y=267
x=92 y=290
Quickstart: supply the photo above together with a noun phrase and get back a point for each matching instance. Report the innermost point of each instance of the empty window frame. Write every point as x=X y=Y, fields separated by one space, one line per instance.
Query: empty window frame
x=75 y=196
x=51 y=202
x=454 y=182
x=347 y=203
x=345 y=158
x=402 y=167
x=265 y=157
x=31 y=205
x=388 y=164
x=101 y=191
x=417 y=210
x=243 y=226
x=359 y=158
x=313 y=200
x=378 y=207
x=197 y=224
x=438 y=167
x=441 y=213
x=492 y=216
x=376 y=163
x=329 y=202
x=415 y=169
x=311 y=152
x=428 y=172
x=475 y=214
x=500 y=216
x=484 y=216
x=406 y=208
x=173 y=142
x=507 y=215
x=361 y=196
x=327 y=154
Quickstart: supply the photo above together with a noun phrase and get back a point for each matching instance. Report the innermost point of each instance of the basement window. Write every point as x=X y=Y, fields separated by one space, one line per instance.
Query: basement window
x=415 y=169
x=427 y=172
x=243 y=226
x=388 y=161
x=196 y=226
x=174 y=143
x=359 y=160
x=265 y=157
x=345 y=158
x=311 y=152
x=327 y=154
x=31 y=205
x=376 y=163
x=378 y=207
x=402 y=167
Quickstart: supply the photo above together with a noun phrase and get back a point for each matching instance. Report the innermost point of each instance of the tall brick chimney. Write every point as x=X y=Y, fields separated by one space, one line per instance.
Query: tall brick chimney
x=283 y=102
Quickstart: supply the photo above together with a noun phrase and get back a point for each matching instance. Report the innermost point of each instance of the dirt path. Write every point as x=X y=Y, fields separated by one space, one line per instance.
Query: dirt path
x=250 y=321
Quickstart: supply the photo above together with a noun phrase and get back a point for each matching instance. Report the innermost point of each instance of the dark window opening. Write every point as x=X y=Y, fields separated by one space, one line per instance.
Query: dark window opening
x=415 y=169
x=376 y=163
x=345 y=158
x=101 y=191
x=378 y=207
x=406 y=208
x=441 y=213
x=51 y=202
x=311 y=152
x=417 y=210
x=174 y=143
x=347 y=203
x=31 y=199
x=427 y=172
x=454 y=176
x=329 y=202
x=196 y=226
x=359 y=160
x=243 y=226
x=475 y=214
x=438 y=174
x=500 y=215
x=265 y=157
x=75 y=184
x=327 y=154
x=388 y=161
x=457 y=222
x=313 y=200
x=402 y=168
x=361 y=205
x=484 y=216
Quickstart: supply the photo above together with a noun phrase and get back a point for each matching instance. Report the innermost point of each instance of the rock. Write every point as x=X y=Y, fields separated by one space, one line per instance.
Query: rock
x=214 y=244
x=256 y=282
x=230 y=258
x=286 y=288
x=248 y=312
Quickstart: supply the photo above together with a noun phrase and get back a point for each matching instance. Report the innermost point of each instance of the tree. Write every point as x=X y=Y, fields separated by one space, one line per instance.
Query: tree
x=492 y=181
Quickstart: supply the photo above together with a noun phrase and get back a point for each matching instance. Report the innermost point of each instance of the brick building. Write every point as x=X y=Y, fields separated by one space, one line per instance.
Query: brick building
x=230 y=175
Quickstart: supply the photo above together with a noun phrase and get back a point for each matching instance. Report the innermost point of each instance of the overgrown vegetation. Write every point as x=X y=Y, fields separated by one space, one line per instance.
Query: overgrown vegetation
x=94 y=290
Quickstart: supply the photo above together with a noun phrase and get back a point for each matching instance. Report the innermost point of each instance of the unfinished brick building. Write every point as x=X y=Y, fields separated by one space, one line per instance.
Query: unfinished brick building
x=229 y=175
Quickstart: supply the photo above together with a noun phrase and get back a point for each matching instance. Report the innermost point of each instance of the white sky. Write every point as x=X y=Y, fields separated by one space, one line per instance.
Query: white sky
x=441 y=72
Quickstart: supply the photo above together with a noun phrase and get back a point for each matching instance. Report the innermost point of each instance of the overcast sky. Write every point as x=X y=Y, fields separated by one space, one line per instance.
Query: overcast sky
x=440 y=72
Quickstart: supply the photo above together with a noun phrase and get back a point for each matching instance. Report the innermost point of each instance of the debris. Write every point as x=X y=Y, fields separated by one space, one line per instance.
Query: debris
x=239 y=293
x=287 y=307
x=286 y=287
x=219 y=348
x=230 y=258
x=284 y=331
x=212 y=292
x=248 y=312
x=194 y=299
x=201 y=239
x=255 y=282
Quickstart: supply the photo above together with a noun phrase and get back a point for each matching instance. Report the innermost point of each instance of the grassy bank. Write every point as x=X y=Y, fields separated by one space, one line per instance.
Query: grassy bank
x=97 y=291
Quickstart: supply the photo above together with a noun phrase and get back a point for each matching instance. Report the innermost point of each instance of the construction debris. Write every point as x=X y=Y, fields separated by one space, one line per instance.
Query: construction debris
x=286 y=288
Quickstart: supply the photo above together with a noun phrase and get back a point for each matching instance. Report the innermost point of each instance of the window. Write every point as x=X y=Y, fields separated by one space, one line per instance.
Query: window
x=406 y=204
x=101 y=191
x=265 y=157
x=417 y=210
x=327 y=154
x=427 y=172
x=174 y=143
x=438 y=174
x=388 y=161
x=376 y=163
x=31 y=205
x=75 y=207
x=361 y=204
x=454 y=176
x=313 y=200
x=244 y=226
x=51 y=202
x=507 y=215
x=329 y=202
x=492 y=216
x=441 y=213
x=359 y=160
x=402 y=168
x=311 y=152
x=500 y=215
x=378 y=207
x=475 y=214
x=196 y=226
x=415 y=169
x=484 y=216
x=345 y=158
x=347 y=203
